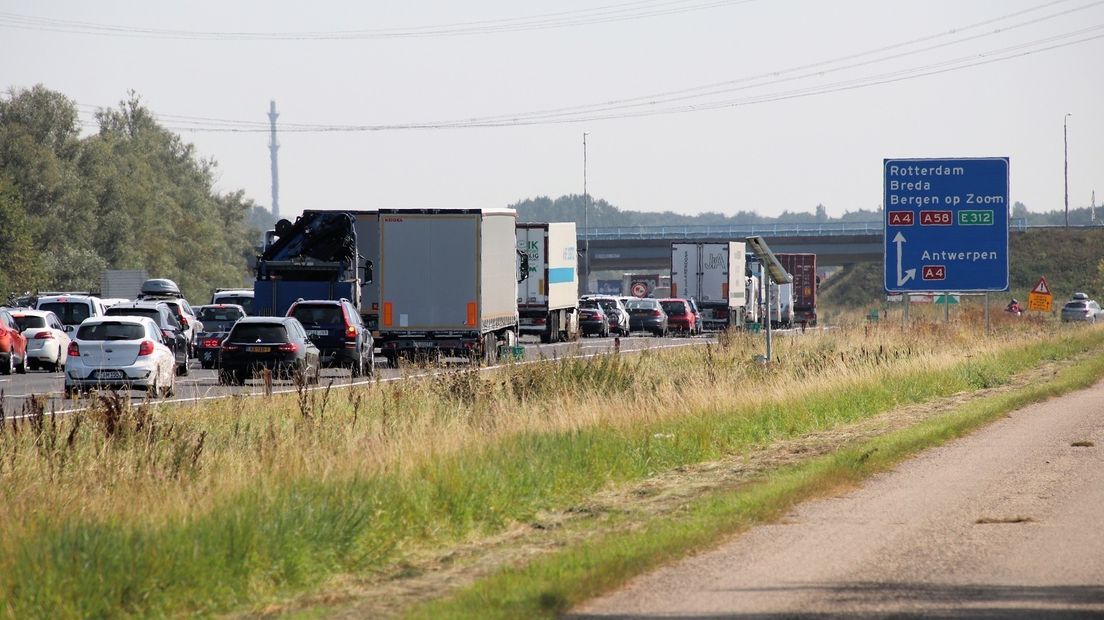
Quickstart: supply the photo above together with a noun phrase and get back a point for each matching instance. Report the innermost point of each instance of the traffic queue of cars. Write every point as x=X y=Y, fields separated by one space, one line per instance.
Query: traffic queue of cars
x=145 y=344
x=605 y=315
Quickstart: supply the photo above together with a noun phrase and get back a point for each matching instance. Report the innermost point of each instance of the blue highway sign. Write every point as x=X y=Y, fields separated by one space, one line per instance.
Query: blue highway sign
x=946 y=225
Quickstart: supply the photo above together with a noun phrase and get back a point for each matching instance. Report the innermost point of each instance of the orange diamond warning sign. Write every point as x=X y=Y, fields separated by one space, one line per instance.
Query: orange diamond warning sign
x=1040 y=298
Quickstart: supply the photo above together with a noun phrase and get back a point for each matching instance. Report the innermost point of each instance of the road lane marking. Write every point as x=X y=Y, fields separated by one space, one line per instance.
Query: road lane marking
x=372 y=380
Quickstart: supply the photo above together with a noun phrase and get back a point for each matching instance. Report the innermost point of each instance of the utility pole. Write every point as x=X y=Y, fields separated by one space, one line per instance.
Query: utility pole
x=1065 y=143
x=586 y=222
x=273 y=146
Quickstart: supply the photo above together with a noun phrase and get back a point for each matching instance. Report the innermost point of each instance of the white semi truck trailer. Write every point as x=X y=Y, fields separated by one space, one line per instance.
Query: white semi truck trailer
x=548 y=300
x=448 y=283
x=713 y=275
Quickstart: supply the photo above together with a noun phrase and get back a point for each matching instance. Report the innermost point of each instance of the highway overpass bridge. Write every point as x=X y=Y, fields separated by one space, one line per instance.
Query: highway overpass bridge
x=632 y=248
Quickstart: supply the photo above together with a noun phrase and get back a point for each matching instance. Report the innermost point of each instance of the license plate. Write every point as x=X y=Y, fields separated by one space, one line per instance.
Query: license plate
x=318 y=332
x=258 y=349
x=109 y=374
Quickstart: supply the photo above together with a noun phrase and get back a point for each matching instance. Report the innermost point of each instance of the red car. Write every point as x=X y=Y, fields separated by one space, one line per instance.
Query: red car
x=680 y=316
x=13 y=346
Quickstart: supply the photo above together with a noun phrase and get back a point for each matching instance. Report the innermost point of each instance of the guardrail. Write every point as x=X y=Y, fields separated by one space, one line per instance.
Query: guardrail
x=724 y=231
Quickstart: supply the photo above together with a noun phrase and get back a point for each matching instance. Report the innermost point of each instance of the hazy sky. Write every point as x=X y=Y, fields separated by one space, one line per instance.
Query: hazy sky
x=769 y=152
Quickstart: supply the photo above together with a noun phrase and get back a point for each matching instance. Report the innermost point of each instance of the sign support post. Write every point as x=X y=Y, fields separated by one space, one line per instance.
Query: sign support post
x=986 y=313
x=767 y=305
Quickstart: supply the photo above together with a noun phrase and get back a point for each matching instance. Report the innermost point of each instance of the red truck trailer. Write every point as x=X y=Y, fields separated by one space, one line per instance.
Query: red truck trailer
x=803 y=269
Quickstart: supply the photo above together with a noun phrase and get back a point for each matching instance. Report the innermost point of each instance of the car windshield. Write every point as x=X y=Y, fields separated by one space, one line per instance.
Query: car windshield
x=258 y=332
x=111 y=331
x=243 y=301
x=641 y=304
x=69 y=314
x=29 y=322
x=676 y=308
x=152 y=313
x=318 y=315
x=219 y=314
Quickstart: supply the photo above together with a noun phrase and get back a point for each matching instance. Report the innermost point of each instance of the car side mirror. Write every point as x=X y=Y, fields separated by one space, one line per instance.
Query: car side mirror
x=368 y=272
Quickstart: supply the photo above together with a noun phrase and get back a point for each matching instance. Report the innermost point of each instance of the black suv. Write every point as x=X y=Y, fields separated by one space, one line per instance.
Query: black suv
x=171 y=329
x=278 y=344
x=336 y=329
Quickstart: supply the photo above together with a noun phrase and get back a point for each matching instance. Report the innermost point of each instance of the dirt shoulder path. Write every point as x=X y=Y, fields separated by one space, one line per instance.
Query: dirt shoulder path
x=1002 y=523
x=428 y=574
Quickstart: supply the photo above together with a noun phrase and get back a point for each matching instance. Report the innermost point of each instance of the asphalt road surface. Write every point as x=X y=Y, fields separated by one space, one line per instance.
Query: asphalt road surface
x=203 y=384
x=1005 y=523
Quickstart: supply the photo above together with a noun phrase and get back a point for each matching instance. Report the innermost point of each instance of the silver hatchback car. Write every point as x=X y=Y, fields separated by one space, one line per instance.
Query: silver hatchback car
x=1081 y=308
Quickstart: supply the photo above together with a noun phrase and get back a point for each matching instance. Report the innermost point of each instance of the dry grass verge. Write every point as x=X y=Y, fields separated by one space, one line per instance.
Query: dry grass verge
x=134 y=510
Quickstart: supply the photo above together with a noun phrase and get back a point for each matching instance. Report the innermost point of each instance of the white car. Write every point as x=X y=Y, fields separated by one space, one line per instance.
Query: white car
x=47 y=340
x=239 y=296
x=71 y=308
x=120 y=353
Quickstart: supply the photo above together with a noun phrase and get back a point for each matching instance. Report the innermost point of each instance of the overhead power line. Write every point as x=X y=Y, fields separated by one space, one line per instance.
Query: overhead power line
x=985 y=58
x=712 y=96
x=817 y=69
x=703 y=97
x=639 y=9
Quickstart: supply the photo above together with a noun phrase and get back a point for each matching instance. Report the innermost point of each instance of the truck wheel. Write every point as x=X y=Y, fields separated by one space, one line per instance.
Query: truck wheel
x=490 y=349
x=392 y=359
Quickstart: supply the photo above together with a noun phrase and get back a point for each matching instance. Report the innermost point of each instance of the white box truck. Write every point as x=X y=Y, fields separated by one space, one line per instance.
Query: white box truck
x=548 y=300
x=448 y=283
x=713 y=274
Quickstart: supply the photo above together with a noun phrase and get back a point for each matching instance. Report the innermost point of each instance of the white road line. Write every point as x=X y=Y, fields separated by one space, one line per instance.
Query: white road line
x=422 y=375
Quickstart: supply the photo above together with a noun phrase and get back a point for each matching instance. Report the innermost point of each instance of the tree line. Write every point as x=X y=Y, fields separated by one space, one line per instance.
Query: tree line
x=132 y=195
x=569 y=208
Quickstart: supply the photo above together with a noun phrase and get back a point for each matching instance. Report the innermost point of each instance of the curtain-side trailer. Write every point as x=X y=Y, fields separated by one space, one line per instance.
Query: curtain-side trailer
x=448 y=282
x=548 y=300
x=713 y=275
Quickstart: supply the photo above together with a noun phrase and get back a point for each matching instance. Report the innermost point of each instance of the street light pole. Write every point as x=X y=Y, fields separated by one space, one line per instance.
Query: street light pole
x=1065 y=144
x=586 y=214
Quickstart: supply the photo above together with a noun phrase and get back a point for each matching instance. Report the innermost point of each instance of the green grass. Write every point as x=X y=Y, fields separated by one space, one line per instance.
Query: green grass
x=287 y=533
x=551 y=585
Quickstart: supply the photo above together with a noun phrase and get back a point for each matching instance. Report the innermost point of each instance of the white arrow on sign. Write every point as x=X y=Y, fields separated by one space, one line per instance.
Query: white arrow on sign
x=909 y=274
